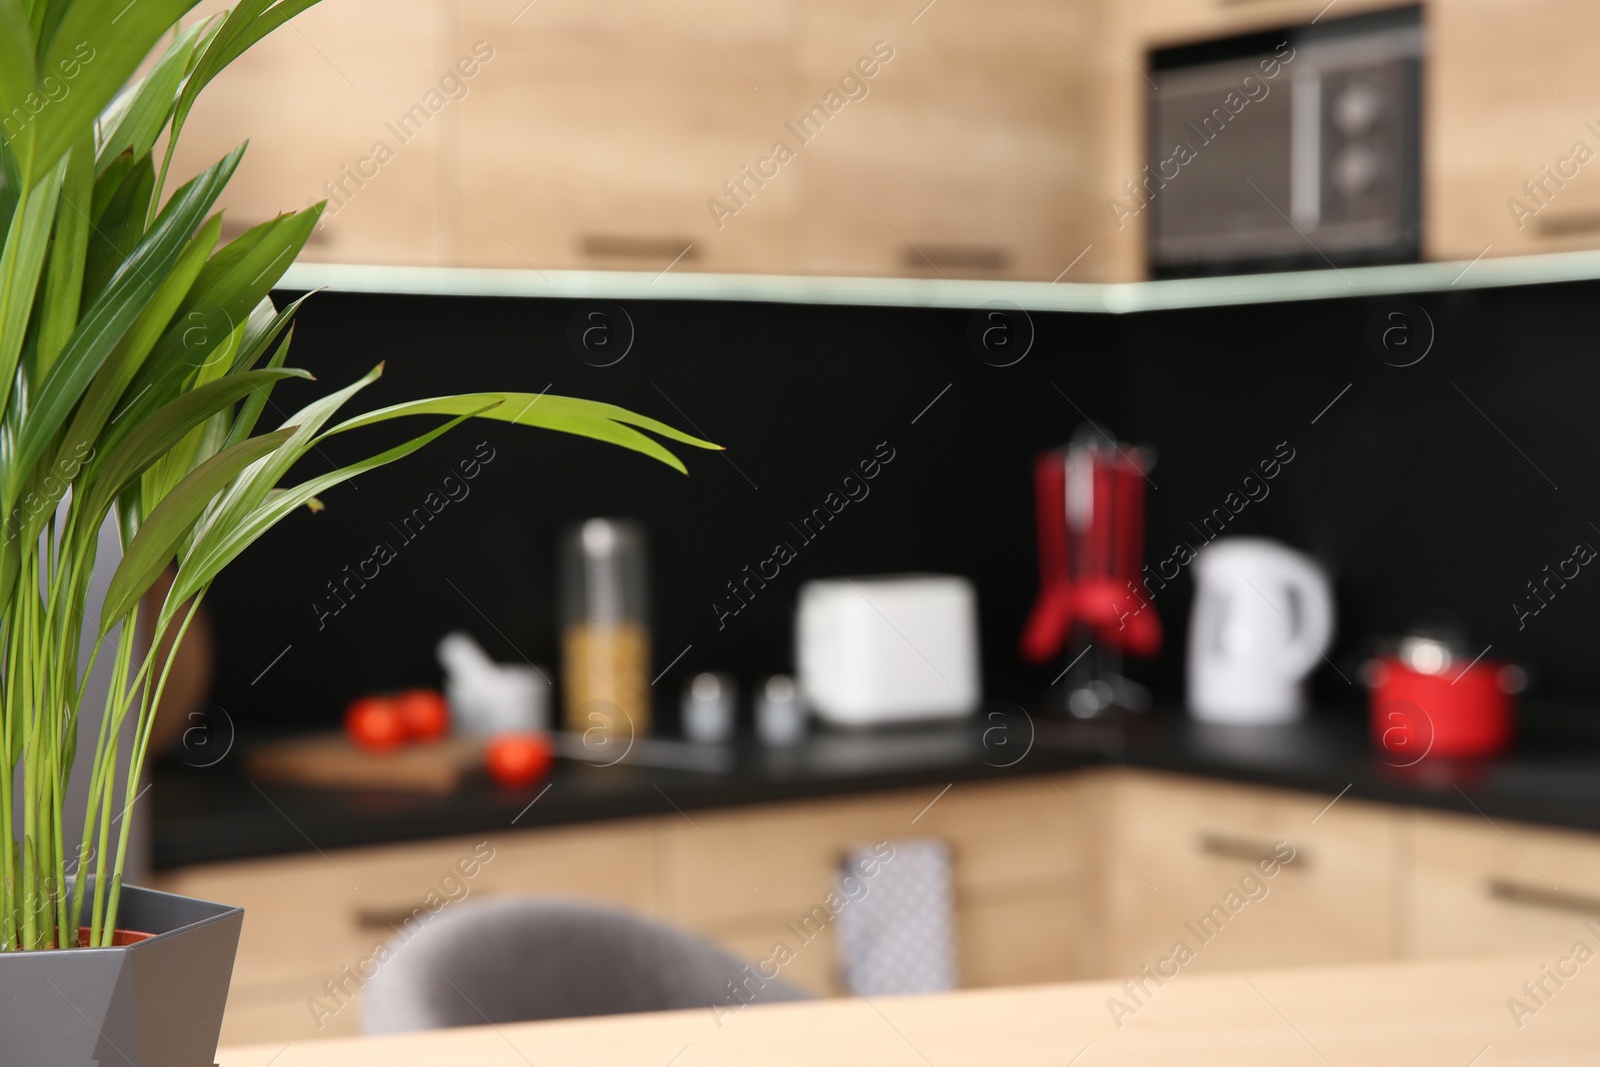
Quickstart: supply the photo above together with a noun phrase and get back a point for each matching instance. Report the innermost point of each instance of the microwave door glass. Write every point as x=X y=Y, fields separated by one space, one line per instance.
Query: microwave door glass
x=1221 y=176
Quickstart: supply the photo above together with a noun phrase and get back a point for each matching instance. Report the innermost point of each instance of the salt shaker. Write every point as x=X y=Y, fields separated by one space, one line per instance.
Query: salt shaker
x=708 y=708
x=780 y=717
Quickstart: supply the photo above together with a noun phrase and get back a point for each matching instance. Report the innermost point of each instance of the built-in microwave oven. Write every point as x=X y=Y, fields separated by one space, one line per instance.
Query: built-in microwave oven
x=1285 y=150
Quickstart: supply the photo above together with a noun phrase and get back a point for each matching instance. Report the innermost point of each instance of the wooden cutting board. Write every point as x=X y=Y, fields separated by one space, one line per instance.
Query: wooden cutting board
x=332 y=761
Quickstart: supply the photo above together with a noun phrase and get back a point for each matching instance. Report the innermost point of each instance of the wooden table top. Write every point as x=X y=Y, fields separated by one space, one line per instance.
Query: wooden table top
x=1450 y=1014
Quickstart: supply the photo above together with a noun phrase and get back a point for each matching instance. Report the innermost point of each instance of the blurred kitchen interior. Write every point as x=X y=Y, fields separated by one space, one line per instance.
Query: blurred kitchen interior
x=1156 y=451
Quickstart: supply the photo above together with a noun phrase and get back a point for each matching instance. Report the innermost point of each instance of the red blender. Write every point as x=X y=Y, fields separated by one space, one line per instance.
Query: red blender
x=1092 y=608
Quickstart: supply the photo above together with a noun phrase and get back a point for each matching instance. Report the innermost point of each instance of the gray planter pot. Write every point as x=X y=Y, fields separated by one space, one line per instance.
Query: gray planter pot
x=157 y=1003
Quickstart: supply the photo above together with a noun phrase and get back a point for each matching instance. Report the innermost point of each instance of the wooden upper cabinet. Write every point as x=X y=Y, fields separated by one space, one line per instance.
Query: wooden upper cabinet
x=599 y=132
x=967 y=151
x=320 y=101
x=1170 y=22
x=961 y=139
x=1512 y=151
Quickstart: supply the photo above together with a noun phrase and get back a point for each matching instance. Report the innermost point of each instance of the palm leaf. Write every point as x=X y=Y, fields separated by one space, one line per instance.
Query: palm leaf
x=222 y=543
x=252 y=487
x=63 y=288
x=102 y=42
x=140 y=114
x=109 y=384
x=120 y=201
x=153 y=546
x=102 y=326
x=108 y=476
x=230 y=288
x=248 y=22
x=21 y=260
x=16 y=58
x=586 y=418
x=142 y=398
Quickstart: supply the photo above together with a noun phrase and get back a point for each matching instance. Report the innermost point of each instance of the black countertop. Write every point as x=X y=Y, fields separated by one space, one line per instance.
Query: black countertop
x=1552 y=776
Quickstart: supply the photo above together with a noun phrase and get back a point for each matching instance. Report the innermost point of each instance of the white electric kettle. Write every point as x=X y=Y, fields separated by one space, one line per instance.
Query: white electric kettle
x=1263 y=617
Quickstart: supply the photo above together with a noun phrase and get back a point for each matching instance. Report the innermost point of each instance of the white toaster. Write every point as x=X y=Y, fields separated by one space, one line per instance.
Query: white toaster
x=888 y=649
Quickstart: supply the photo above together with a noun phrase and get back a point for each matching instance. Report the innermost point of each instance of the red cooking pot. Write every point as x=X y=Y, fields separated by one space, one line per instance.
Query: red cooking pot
x=1428 y=701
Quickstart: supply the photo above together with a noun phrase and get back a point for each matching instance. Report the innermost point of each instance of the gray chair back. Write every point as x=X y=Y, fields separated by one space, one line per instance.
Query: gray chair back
x=518 y=959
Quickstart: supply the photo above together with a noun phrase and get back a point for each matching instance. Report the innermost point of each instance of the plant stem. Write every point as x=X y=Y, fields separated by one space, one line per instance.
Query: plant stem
x=117 y=700
x=26 y=598
x=63 y=665
x=150 y=703
x=8 y=857
x=91 y=806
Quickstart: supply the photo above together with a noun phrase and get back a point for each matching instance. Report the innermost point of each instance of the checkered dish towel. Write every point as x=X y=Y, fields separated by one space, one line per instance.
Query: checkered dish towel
x=897 y=927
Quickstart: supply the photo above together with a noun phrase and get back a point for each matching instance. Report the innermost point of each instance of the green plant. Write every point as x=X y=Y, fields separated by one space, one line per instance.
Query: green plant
x=136 y=357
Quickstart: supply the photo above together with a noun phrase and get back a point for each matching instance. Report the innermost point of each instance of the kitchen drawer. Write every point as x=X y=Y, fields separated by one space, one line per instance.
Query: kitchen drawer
x=604 y=131
x=316 y=99
x=307 y=917
x=779 y=860
x=1482 y=888
x=1176 y=848
x=970 y=154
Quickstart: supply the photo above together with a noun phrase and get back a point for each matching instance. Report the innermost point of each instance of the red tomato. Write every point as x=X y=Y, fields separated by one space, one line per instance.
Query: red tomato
x=516 y=760
x=425 y=713
x=375 y=723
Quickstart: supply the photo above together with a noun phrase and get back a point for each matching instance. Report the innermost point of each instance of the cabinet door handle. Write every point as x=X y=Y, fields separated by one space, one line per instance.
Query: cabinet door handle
x=1539 y=897
x=983 y=258
x=636 y=246
x=386 y=919
x=1249 y=850
x=1567 y=223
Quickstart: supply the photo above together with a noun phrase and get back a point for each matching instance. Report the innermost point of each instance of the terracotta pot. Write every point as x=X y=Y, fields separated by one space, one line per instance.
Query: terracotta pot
x=120 y=938
x=155 y=999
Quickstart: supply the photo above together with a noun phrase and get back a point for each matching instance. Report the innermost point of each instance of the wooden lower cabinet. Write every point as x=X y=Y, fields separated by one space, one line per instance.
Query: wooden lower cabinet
x=1483 y=888
x=1240 y=876
x=1101 y=873
x=1021 y=864
x=1020 y=859
x=312 y=919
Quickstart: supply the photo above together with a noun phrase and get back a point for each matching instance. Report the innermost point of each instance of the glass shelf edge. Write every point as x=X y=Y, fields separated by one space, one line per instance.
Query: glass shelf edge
x=1087 y=297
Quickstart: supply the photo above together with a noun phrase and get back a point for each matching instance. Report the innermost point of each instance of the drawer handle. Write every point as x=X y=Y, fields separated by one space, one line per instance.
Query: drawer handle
x=956 y=257
x=1227 y=846
x=1540 y=897
x=1567 y=224
x=631 y=246
x=386 y=919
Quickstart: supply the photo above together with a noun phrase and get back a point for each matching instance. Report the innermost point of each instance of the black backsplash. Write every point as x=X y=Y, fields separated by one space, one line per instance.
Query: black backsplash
x=1437 y=488
x=1434 y=491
